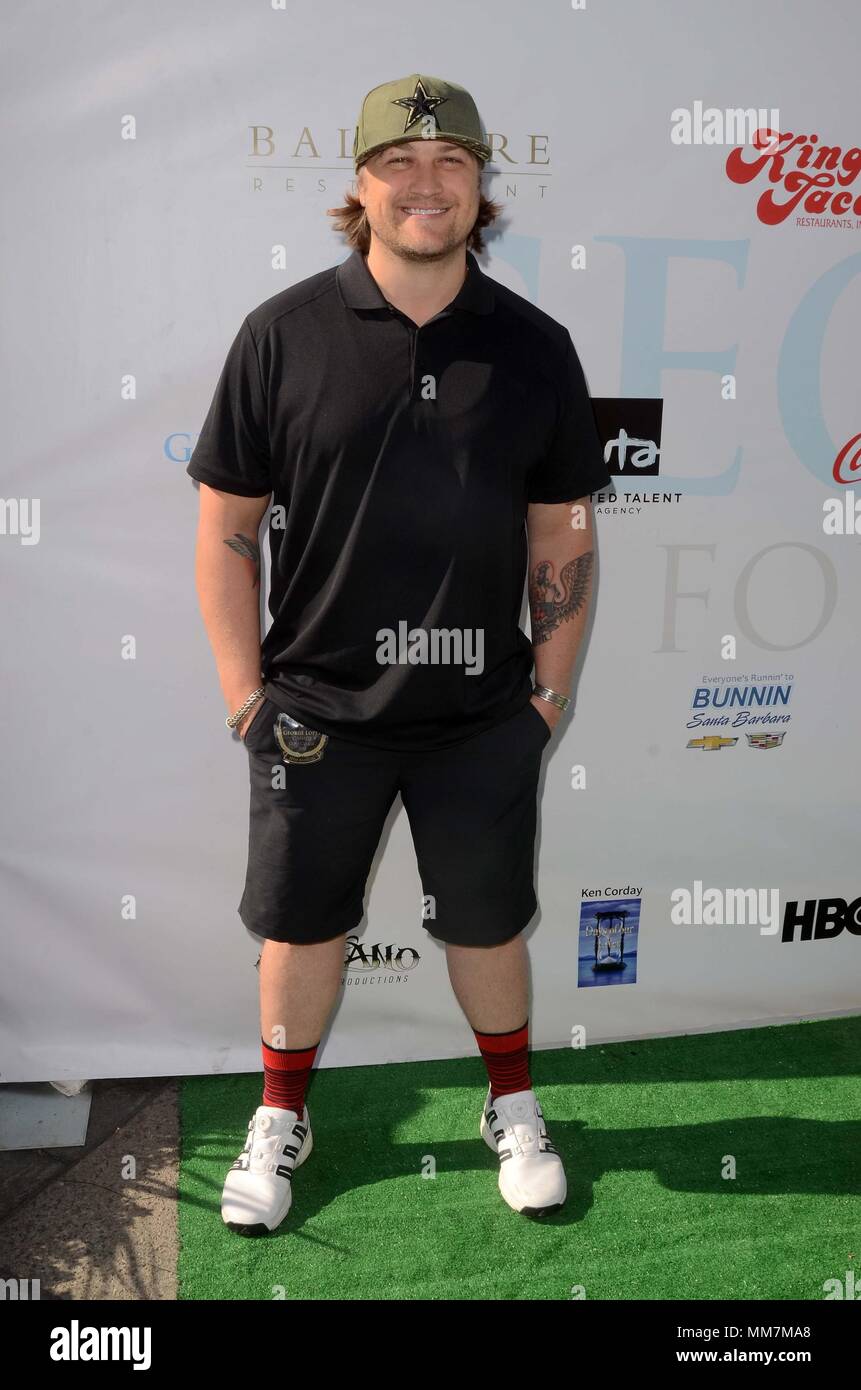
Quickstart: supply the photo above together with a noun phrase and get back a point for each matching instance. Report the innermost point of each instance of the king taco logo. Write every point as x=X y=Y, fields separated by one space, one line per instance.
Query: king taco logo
x=809 y=175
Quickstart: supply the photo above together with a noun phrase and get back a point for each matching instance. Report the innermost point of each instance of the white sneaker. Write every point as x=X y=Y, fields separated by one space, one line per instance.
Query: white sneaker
x=531 y=1176
x=259 y=1187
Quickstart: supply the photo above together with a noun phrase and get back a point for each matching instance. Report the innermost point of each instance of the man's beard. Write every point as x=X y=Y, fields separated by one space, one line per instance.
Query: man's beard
x=400 y=246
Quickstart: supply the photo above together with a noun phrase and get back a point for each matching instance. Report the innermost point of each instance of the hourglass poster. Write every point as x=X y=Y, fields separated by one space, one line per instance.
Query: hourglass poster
x=609 y=931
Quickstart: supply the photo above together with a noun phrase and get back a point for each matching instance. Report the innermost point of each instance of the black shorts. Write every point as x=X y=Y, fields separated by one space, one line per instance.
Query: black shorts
x=315 y=828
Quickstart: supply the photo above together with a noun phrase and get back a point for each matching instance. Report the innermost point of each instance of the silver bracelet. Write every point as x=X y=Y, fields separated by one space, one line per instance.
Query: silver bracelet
x=233 y=719
x=552 y=696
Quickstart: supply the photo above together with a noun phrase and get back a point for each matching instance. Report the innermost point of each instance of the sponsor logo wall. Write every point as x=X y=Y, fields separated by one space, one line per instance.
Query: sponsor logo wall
x=699 y=810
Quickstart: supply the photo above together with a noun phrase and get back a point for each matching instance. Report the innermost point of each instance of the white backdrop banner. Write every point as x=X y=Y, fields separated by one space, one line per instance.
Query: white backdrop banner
x=167 y=168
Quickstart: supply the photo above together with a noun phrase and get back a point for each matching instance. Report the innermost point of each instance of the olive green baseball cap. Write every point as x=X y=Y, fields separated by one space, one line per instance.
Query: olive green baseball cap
x=418 y=107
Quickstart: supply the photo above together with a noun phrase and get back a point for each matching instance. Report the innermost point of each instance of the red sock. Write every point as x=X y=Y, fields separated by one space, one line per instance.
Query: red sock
x=286 y=1072
x=507 y=1061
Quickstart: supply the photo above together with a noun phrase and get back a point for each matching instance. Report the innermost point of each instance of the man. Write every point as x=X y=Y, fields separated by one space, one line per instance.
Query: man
x=415 y=423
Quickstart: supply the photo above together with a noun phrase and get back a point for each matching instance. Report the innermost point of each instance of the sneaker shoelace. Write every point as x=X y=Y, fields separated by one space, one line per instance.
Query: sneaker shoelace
x=258 y=1130
x=520 y=1133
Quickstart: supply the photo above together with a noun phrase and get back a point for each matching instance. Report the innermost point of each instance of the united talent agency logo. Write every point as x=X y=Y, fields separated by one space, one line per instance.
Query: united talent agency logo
x=630 y=431
x=810 y=177
x=729 y=702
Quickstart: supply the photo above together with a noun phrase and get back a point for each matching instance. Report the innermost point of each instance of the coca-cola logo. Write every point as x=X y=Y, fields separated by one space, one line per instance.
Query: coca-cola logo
x=814 y=177
x=847 y=465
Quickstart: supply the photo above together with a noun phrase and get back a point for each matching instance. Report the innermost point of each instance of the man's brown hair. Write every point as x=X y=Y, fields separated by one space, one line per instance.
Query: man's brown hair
x=351 y=220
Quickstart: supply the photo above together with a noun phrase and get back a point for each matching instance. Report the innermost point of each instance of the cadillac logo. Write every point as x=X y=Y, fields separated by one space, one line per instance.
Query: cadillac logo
x=765 y=740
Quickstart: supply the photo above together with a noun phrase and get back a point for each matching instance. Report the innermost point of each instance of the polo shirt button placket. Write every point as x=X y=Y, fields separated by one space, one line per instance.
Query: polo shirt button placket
x=415 y=334
x=414 y=346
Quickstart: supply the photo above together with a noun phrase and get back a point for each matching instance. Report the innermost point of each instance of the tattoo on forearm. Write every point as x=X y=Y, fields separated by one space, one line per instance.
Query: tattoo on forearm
x=244 y=545
x=551 y=603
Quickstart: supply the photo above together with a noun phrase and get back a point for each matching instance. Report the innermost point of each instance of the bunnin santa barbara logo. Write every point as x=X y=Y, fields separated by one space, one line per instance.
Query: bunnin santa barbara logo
x=804 y=175
x=630 y=431
x=608 y=935
x=755 y=704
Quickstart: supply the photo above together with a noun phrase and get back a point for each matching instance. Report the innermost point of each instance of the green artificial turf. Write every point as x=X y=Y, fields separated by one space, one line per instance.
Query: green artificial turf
x=643 y=1129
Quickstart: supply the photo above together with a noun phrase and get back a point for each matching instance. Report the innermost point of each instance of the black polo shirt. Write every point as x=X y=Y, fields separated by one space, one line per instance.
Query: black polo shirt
x=401 y=460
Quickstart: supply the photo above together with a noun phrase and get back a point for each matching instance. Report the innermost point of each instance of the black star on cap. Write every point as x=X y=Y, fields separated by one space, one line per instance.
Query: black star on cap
x=418 y=105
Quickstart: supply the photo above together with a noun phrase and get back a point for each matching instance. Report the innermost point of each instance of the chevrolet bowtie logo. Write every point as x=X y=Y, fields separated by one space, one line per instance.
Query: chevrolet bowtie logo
x=711 y=742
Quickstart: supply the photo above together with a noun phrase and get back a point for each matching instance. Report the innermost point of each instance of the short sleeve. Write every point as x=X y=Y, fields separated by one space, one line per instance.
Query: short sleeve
x=232 y=450
x=573 y=465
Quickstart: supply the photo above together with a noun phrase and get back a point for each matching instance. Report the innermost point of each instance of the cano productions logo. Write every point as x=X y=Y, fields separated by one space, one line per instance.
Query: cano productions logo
x=376 y=964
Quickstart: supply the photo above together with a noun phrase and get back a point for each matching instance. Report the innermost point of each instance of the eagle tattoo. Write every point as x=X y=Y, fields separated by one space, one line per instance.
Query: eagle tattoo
x=551 y=603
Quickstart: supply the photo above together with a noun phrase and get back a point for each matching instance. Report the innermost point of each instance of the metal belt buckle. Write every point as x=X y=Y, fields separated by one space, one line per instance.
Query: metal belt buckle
x=298 y=743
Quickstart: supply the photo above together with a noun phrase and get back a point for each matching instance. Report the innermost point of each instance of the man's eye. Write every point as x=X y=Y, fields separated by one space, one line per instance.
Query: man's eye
x=401 y=159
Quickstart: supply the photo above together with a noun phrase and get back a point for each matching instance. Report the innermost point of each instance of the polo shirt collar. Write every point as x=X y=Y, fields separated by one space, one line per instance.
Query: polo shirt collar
x=359 y=289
